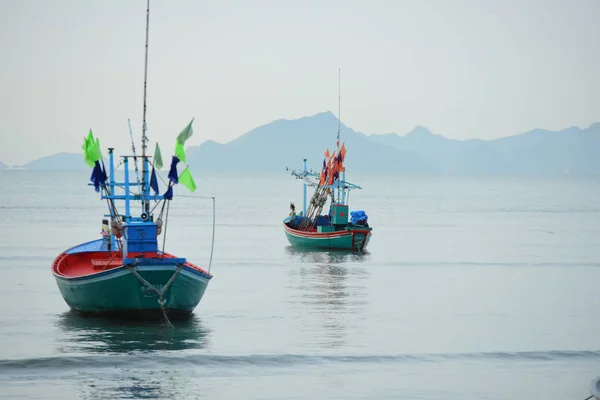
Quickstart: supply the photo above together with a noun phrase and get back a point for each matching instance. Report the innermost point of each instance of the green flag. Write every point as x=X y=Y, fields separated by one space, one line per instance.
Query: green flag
x=186 y=133
x=186 y=179
x=96 y=153
x=88 y=144
x=158 y=164
x=179 y=152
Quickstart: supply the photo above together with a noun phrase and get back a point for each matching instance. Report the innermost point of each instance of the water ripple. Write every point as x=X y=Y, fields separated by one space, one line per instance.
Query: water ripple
x=150 y=361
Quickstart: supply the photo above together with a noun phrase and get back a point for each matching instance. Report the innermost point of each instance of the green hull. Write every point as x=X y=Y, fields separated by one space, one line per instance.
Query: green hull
x=119 y=291
x=349 y=239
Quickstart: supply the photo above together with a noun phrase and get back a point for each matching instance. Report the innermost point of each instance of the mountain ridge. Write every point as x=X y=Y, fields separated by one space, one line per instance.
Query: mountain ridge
x=286 y=142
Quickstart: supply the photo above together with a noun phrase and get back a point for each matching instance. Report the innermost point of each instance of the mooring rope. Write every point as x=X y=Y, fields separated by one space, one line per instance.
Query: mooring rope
x=361 y=243
x=161 y=293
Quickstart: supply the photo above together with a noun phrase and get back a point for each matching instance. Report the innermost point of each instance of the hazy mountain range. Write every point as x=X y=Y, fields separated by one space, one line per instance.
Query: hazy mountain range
x=282 y=143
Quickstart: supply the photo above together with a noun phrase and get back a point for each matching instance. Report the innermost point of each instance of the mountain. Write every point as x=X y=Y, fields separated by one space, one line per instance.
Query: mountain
x=541 y=152
x=538 y=152
x=439 y=151
x=282 y=143
x=535 y=153
x=59 y=162
x=2 y=165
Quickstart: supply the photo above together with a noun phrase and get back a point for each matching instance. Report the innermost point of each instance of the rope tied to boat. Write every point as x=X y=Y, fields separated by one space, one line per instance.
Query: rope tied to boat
x=361 y=244
x=161 y=299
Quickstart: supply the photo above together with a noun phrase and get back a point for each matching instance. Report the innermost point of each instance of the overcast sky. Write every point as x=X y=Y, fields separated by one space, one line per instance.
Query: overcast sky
x=462 y=68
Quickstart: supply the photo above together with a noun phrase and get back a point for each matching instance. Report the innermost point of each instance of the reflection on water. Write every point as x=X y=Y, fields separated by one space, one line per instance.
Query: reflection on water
x=127 y=387
x=329 y=284
x=100 y=336
x=107 y=335
x=326 y=256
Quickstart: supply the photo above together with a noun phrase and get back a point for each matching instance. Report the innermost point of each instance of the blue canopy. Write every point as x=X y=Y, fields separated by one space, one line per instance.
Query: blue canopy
x=358 y=216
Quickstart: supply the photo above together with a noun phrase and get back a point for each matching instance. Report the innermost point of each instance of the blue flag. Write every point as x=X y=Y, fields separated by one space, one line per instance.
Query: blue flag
x=98 y=176
x=173 y=171
x=154 y=181
x=169 y=193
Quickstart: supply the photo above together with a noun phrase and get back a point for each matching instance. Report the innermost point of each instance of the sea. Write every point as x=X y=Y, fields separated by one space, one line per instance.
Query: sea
x=471 y=288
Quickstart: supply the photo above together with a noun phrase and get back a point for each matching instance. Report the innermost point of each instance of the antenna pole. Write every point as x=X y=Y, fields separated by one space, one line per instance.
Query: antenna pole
x=137 y=172
x=339 y=130
x=339 y=110
x=146 y=203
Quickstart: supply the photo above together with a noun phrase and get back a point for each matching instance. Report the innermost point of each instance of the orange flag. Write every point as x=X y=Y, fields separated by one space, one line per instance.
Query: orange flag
x=343 y=151
x=332 y=168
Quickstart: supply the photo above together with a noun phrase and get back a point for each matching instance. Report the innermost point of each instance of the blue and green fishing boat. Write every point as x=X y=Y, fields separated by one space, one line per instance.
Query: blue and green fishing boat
x=125 y=271
x=339 y=228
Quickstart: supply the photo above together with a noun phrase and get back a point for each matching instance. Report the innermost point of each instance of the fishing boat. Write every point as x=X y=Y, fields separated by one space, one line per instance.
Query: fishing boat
x=334 y=230
x=595 y=389
x=124 y=271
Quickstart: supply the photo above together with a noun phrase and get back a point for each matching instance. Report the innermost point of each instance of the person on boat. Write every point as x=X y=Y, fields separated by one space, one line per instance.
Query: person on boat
x=292 y=210
x=363 y=222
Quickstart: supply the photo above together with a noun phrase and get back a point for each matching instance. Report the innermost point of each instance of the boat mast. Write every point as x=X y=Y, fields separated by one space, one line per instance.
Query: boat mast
x=343 y=190
x=304 y=204
x=339 y=110
x=145 y=201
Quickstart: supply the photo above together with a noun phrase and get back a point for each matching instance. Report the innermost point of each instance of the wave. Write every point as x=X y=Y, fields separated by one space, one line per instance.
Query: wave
x=517 y=264
x=151 y=361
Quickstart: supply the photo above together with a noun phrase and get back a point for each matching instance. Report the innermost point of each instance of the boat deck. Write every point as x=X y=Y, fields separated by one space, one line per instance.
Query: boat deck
x=72 y=265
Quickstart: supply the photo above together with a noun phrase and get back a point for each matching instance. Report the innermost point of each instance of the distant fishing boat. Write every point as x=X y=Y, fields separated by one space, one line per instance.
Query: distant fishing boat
x=333 y=230
x=124 y=272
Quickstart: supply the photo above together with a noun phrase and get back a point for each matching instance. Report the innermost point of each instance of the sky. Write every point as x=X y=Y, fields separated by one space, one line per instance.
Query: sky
x=462 y=68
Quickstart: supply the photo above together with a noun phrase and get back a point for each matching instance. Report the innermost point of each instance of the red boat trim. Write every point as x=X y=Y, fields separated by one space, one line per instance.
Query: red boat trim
x=91 y=264
x=324 y=235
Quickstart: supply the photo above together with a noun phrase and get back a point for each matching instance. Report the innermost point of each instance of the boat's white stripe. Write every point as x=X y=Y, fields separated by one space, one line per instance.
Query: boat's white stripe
x=326 y=235
x=121 y=271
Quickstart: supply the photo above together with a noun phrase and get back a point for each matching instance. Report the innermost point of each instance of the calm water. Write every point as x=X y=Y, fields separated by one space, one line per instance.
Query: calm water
x=471 y=288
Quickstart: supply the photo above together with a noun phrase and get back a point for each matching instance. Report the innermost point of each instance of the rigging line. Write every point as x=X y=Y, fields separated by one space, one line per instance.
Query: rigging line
x=135 y=163
x=196 y=197
x=165 y=236
x=156 y=205
x=157 y=174
x=111 y=204
x=212 y=246
x=164 y=203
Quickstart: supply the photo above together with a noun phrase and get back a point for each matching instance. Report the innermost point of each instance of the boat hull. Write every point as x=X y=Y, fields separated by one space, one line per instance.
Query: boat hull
x=349 y=239
x=119 y=291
